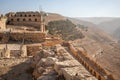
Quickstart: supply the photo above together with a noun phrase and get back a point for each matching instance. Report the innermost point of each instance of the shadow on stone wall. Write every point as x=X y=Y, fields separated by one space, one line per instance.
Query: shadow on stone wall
x=21 y=71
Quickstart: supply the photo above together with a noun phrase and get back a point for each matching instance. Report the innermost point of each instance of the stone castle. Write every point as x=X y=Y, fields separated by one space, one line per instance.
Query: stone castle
x=61 y=59
x=35 y=19
x=23 y=37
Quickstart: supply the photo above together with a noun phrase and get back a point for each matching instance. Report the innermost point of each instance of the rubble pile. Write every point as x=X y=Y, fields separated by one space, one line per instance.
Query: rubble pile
x=56 y=63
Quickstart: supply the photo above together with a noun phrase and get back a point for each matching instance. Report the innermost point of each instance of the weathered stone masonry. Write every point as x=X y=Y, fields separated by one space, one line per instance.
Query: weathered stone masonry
x=33 y=19
x=20 y=36
x=89 y=64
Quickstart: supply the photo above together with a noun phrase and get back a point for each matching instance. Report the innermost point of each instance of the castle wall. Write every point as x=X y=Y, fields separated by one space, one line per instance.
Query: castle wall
x=27 y=21
x=32 y=49
x=24 y=18
x=26 y=36
x=90 y=65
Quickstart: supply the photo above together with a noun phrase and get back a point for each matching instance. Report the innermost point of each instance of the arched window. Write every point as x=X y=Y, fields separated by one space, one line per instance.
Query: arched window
x=29 y=15
x=94 y=73
x=30 y=20
x=99 y=77
x=18 y=19
x=35 y=20
x=25 y=15
x=21 y=15
x=90 y=70
x=34 y=15
x=12 y=20
x=24 y=20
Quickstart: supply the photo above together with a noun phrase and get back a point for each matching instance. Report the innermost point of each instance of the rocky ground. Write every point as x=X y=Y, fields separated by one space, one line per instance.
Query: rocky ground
x=58 y=64
x=15 y=69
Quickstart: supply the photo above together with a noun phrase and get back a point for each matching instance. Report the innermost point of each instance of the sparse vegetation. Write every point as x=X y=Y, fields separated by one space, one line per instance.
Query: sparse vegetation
x=85 y=28
x=65 y=28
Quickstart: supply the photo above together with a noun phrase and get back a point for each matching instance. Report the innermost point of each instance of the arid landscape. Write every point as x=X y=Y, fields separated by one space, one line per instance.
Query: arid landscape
x=41 y=45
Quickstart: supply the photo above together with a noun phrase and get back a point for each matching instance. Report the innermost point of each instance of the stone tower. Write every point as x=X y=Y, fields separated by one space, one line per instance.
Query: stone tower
x=3 y=20
x=42 y=24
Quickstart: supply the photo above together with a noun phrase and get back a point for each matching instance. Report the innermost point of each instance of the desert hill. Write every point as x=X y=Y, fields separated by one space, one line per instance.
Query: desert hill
x=93 y=31
x=54 y=17
x=99 y=45
x=65 y=28
x=108 y=24
x=96 y=20
x=116 y=33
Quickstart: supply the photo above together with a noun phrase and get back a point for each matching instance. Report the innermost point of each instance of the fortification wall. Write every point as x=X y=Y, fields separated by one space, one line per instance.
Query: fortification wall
x=89 y=64
x=32 y=49
x=27 y=21
x=20 y=36
x=24 y=18
x=28 y=36
x=52 y=42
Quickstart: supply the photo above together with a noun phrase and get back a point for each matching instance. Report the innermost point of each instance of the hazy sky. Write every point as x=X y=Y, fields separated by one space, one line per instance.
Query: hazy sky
x=72 y=8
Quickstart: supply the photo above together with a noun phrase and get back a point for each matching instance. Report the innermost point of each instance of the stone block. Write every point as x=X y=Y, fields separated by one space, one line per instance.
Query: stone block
x=77 y=73
x=63 y=64
x=51 y=61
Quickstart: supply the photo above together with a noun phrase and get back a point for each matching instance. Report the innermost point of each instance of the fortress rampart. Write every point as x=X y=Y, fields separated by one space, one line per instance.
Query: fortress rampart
x=31 y=36
x=89 y=64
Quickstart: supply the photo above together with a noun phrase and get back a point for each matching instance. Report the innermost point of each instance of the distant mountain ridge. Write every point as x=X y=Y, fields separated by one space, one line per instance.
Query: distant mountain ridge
x=108 y=24
x=96 y=20
x=94 y=30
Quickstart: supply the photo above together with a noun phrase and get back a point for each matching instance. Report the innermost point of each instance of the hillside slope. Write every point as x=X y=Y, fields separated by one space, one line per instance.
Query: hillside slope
x=96 y=20
x=99 y=45
x=116 y=33
x=110 y=26
x=65 y=28
x=54 y=17
x=93 y=31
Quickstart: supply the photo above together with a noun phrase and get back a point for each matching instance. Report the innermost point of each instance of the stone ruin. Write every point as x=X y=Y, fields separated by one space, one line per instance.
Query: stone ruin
x=66 y=63
x=57 y=64
x=24 y=38
x=50 y=60
x=34 y=19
